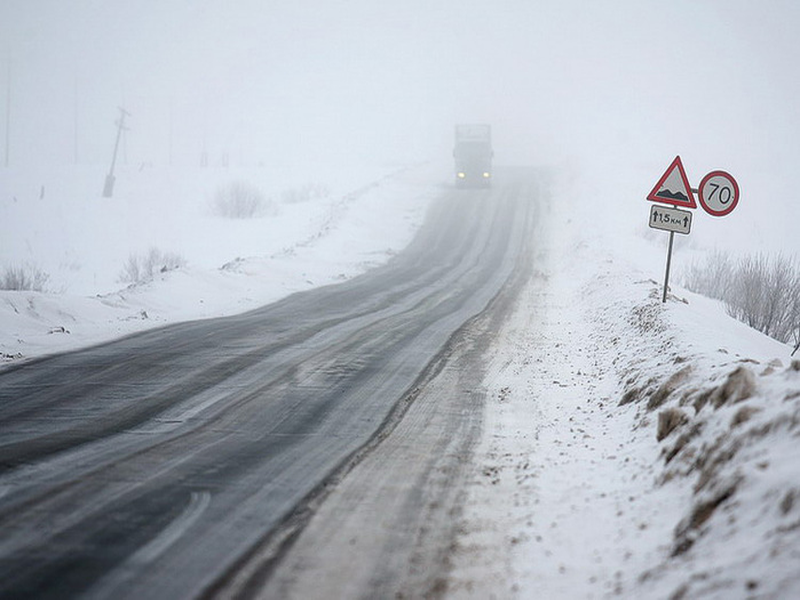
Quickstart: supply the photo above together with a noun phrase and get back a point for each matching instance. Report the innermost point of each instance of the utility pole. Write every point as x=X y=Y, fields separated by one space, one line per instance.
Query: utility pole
x=75 y=123
x=170 y=131
x=108 y=189
x=8 y=112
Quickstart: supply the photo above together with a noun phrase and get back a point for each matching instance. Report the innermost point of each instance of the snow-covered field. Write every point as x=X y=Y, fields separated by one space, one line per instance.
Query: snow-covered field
x=313 y=227
x=630 y=447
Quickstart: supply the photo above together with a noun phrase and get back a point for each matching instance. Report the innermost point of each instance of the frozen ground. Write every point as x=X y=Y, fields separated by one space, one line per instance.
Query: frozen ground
x=630 y=448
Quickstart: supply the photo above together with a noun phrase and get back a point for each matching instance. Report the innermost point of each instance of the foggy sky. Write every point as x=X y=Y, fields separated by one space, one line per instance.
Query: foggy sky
x=277 y=81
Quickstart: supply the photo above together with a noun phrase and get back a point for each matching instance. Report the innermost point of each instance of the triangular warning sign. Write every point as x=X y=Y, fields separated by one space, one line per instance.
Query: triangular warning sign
x=673 y=187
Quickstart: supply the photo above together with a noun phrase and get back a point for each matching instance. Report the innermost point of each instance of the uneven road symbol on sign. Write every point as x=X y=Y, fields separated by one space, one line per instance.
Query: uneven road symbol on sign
x=671 y=219
x=673 y=187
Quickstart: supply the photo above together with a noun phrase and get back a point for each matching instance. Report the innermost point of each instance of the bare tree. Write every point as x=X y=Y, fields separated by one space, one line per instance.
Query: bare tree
x=712 y=278
x=760 y=290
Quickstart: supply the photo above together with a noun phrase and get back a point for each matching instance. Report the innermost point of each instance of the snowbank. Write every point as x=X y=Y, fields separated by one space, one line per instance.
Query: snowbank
x=632 y=448
x=306 y=233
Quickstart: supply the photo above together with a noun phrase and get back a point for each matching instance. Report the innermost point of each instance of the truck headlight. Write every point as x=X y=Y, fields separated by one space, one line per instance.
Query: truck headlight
x=486 y=175
x=461 y=174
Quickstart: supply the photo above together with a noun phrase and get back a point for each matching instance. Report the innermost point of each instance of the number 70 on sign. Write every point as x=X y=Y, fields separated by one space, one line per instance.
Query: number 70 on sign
x=718 y=193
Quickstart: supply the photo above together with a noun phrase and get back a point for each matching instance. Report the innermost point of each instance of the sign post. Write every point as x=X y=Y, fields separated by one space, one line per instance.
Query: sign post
x=674 y=221
x=673 y=188
x=669 y=263
x=718 y=194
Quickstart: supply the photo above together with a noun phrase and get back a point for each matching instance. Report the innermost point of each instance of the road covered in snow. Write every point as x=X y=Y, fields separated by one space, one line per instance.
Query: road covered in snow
x=196 y=260
x=162 y=460
x=575 y=439
x=627 y=448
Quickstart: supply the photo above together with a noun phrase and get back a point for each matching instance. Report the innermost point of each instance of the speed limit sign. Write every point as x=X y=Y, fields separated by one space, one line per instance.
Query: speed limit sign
x=718 y=193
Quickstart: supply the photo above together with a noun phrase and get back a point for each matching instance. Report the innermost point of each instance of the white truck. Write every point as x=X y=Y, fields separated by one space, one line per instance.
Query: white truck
x=473 y=155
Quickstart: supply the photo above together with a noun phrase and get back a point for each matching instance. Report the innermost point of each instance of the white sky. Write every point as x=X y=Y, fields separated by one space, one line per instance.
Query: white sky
x=629 y=83
x=260 y=78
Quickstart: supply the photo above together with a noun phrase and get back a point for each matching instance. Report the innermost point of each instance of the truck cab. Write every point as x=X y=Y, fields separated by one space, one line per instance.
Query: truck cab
x=473 y=155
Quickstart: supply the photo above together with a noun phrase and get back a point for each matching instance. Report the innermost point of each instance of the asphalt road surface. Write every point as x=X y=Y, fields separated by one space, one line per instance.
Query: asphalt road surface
x=187 y=461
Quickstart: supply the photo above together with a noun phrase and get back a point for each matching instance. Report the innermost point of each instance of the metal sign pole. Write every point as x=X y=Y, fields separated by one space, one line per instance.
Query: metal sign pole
x=718 y=193
x=669 y=261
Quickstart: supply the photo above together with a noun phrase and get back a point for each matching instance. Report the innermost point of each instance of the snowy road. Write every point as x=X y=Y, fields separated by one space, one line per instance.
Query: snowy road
x=162 y=464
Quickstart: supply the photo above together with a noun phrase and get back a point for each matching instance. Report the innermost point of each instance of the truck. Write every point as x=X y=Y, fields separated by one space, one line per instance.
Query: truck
x=473 y=155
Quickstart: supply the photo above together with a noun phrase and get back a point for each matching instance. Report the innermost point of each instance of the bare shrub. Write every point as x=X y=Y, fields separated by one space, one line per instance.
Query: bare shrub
x=713 y=278
x=142 y=267
x=766 y=295
x=239 y=200
x=759 y=290
x=23 y=278
x=304 y=193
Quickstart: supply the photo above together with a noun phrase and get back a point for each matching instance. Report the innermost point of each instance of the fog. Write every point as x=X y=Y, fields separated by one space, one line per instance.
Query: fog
x=615 y=84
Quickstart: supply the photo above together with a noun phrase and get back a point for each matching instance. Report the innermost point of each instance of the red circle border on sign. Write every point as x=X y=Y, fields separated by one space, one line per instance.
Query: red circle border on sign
x=711 y=211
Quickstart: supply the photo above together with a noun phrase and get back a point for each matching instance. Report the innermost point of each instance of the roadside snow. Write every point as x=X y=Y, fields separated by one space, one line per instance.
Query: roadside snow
x=631 y=449
x=307 y=233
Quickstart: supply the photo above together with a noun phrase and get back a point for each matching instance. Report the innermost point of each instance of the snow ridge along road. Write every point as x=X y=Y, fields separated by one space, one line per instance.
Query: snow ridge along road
x=149 y=466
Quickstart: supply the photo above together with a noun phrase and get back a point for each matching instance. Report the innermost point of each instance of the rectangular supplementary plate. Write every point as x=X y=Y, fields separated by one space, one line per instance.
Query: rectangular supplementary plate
x=670 y=219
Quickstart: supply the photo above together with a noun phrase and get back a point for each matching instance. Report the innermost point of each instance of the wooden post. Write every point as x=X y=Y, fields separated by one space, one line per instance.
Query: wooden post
x=8 y=113
x=108 y=188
